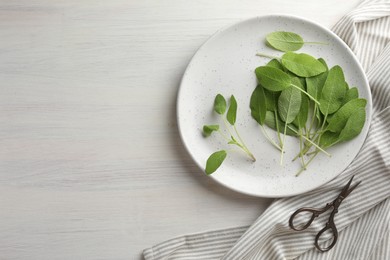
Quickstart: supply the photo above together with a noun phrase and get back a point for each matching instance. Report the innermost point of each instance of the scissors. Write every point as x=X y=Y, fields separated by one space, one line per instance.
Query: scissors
x=315 y=212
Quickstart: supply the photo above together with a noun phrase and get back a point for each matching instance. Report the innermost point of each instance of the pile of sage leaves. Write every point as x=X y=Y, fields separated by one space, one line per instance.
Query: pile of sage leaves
x=299 y=96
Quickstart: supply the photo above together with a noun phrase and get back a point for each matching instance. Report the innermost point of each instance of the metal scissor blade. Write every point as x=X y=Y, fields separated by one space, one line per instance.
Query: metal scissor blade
x=347 y=189
x=351 y=189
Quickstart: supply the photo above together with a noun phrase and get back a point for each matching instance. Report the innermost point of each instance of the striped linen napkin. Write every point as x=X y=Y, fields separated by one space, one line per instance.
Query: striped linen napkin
x=364 y=221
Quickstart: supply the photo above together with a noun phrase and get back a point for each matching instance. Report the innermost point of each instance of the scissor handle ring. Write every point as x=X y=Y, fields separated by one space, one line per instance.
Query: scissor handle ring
x=314 y=213
x=331 y=226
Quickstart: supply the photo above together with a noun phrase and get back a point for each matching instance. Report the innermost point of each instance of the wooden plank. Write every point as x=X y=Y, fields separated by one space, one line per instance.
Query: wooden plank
x=91 y=163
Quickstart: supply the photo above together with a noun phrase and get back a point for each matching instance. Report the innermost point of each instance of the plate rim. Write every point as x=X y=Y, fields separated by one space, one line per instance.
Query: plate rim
x=273 y=15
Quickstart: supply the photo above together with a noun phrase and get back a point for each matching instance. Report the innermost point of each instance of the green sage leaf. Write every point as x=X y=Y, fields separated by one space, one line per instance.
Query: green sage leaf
x=214 y=161
x=315 y=84
x=340 y=118
x=258 y=104
x=301 y=119
x=351 y=93
x=220 y=104
x=346 y=86
x=289 y=104
x=302 y=64
x=232 y=111
x=354 y=125
x=272 y=78
x=271 y=98
x=333 y=92
x=314 y=87
x=329 y=139
x=323 y=63
x=275 y=64
x=284 y=41
x=302 y=80
x=209 y=129
x=234 y=141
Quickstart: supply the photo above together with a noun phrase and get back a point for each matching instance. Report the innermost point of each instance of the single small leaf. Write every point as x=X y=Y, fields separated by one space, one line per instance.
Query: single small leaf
x=329 y=139
x=289 y=104
x=208 y=129
x=319 y=118
x=339 y=119
x=275 y=64
x=258 y=104
x=234 y=141
x=220 y=104
x=354 y=125
x=302 y=80
x=352 y=93
x=301 y=119
x=284 y=41
x=271 y=98
x=232 y=111
x=333 y=92
x=270 y=121
x=214 y=161
x=342 y=103
x=302 y=64
x=323 y=63
x=272 y=78
x=314 y=87
x=315 y=84
x=297 y=82
x=346 y=86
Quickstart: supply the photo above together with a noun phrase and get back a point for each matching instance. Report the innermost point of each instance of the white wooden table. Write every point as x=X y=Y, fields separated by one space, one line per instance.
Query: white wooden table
x=91 y=162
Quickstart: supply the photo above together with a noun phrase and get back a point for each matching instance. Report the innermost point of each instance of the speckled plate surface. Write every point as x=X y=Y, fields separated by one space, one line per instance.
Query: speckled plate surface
x=225 y=64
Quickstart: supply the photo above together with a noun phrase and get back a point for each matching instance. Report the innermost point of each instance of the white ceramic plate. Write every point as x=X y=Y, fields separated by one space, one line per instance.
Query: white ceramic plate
x=225 y=64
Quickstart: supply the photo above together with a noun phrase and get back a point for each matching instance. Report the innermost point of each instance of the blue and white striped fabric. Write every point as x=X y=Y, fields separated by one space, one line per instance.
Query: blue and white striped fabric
x=364 y=221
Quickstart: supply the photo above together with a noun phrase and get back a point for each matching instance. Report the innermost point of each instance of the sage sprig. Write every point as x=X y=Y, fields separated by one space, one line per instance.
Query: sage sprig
x=216 y=159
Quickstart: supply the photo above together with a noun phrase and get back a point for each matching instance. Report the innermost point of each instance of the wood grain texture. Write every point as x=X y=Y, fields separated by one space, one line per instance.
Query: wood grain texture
x=91 y=163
